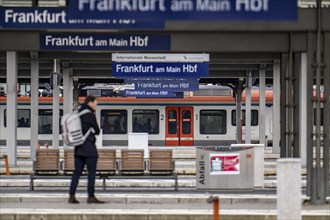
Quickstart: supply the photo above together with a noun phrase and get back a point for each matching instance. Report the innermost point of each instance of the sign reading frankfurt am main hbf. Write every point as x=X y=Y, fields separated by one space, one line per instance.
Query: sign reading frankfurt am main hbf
x=117 y=42
x=106 y=14
x=160 y=65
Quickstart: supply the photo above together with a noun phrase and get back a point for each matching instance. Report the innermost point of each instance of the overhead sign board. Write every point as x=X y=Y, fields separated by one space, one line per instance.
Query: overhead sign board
x=107 y=14
x=161 y=69
x=58 y=41
x=185 y=84
x=163 y=57
x=153 y=94
x=130 y=65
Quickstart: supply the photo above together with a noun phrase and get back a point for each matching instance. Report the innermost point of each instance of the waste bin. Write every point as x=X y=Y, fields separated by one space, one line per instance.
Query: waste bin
x=225 y=167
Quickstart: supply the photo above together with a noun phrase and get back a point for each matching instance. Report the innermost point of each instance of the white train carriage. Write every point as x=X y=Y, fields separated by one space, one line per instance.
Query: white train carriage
x=191 y=121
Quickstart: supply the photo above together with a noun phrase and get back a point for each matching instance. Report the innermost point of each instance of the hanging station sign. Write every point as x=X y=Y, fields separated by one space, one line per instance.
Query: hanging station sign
x=160 y=75
x=160 y=65
x=137 y=14
x=117 y=42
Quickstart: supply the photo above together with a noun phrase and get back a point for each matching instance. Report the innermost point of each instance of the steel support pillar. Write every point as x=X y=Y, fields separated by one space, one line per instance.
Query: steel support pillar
x=295 y=105
x=326 y=112
x=318 y=128
x=34 y=105
x=248 y=108
x=303 y=110
x=287 y=105
x=67 y=91
x=11 y=131
x=239 y=90
x=56 y=105
x=262 y=106
x=276 y=107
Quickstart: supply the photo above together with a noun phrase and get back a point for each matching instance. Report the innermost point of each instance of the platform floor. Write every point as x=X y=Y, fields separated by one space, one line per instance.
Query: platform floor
x=143 y=199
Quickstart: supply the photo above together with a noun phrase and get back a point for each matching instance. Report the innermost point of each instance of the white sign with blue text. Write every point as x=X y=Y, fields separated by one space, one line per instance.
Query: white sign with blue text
x=107 y=14
x=160 y=65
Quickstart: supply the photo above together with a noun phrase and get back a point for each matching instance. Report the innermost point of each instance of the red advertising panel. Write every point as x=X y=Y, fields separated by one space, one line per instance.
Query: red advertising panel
x=223 y=164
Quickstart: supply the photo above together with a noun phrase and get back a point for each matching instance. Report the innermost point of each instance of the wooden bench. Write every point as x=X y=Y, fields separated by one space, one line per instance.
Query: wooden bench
x=161 y=161
x=132 y=162
x=133 y=166
x=45 y=165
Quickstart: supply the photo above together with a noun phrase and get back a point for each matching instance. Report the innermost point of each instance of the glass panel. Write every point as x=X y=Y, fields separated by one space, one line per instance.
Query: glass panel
x=254 y=117
x=213 y=122
x=172 y=122
x=23 y=118
x=186 y=122
x=114 y=121
x=45 y=121
x=146 y=121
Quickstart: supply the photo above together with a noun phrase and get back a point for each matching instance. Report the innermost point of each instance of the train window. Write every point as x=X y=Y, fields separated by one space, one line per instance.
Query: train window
x=114 y=121
x=213 y=122
x=172 y=122
x=145 y=120
x=186 y=122
x=23 y=118
x=254 y=117
x=45 y=121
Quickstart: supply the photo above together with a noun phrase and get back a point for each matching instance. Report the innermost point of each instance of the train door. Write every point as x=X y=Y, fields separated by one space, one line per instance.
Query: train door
x=179 y=126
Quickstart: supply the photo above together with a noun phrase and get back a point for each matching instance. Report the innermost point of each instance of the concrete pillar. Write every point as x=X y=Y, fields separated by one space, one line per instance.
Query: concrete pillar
x=34 y=106
x=262 y=107
x=56 y=106
x=11 y=131
x=303 y=110
x=276 y=107
x=288 y=189
x=248 y=109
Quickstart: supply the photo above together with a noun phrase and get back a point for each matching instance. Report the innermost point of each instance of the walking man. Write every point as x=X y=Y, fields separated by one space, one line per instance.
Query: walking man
x=86 y=154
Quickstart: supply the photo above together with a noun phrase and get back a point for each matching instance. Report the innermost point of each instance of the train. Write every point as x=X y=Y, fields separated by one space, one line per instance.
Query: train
x=194 y=120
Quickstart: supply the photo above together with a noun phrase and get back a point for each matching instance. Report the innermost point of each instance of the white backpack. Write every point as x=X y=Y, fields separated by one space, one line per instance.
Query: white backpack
x=72 y=133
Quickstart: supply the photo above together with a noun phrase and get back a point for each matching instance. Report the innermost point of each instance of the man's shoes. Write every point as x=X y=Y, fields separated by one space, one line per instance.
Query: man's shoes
x=73 y=200
x=92 y=199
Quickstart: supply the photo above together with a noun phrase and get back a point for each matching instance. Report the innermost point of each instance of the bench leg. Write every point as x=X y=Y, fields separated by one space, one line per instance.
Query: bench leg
x=31 y=183
x=104 y=184
x=176 y=182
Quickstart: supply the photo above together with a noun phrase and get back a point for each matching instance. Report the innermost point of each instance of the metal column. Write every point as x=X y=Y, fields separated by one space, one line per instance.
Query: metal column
x=276 y=107
x=303 y=110
x=11 y=107
x=262 y=106
x=317 y=140
x=326 y=111
x=248 y=109
x=239 y=90
x=56 y=105
x=34 y=105
x=67 y=91
x=295 y=105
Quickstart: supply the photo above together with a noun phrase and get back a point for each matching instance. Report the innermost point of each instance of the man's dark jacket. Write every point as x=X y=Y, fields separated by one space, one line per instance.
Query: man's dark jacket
x=88 y=120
